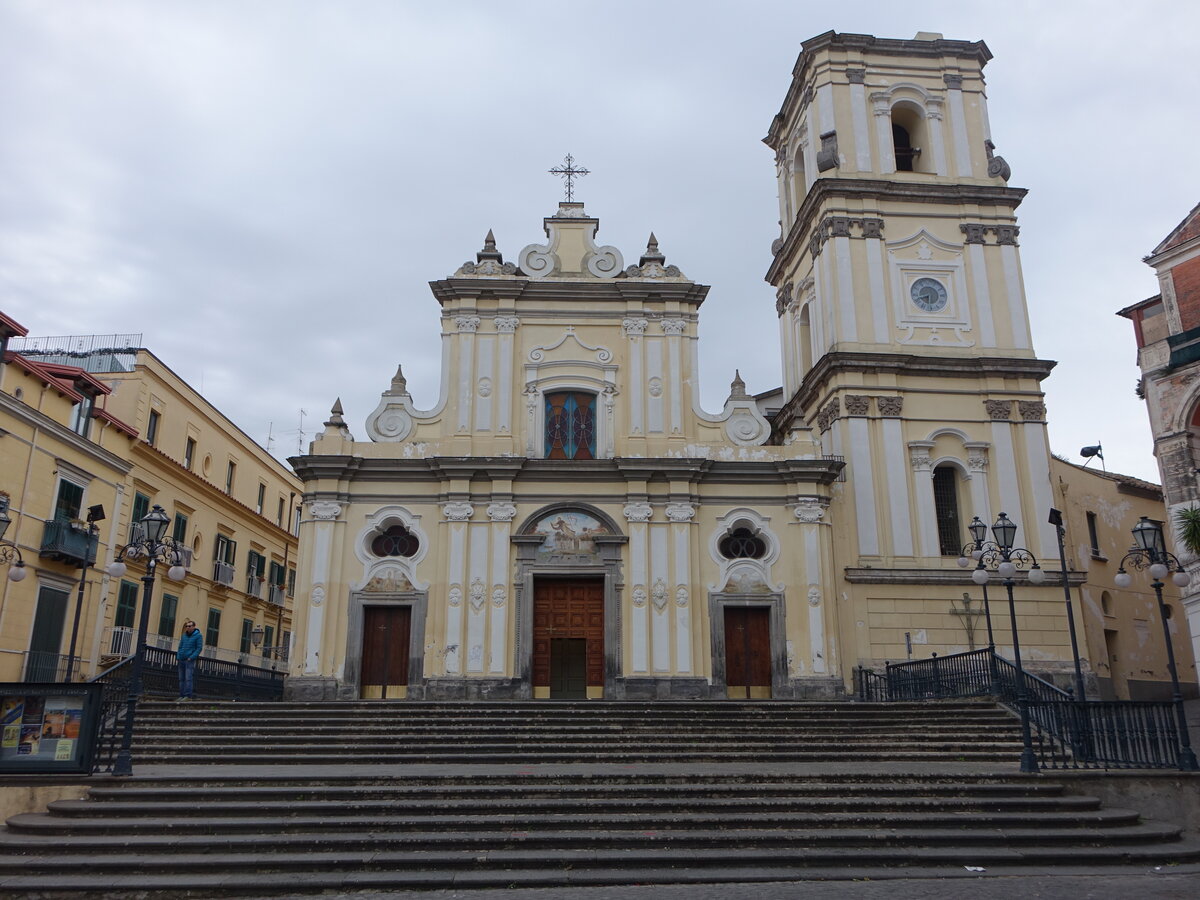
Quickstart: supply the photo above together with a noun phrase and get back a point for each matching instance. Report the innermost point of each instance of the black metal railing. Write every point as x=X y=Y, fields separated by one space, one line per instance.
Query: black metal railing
x=215 y=678
x=42 y=665
x=1106 y=734
x=68 y=542
x=1069 y=734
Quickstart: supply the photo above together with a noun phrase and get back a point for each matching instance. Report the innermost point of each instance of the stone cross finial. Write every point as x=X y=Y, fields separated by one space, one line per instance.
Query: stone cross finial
x=489 y=250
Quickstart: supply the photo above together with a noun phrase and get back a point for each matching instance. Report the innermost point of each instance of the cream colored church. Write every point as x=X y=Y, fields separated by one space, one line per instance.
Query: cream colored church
x=568 y=521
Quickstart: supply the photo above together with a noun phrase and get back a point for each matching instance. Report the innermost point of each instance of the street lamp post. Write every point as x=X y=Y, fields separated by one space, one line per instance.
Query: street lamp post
x=95 y=514
x=1150 y=552
x=971 y=553
x=10 y=553
x=153 y=548
x=1006 y=559
x=1056 y=520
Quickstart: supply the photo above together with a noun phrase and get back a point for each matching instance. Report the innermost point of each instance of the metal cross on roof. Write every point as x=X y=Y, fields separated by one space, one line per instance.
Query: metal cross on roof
x=569 y=172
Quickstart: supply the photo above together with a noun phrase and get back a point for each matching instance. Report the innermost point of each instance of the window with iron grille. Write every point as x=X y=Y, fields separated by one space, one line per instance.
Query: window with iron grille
x=396 y=541
x=742 y=543
x=945 y=505
x=570 y=425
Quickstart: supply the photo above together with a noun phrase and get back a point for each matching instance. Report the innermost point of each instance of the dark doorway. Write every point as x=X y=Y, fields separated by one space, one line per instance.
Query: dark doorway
x=46 y=640
x=748 y=652
x=568 y=638
x=568 y=668
x=385 y=652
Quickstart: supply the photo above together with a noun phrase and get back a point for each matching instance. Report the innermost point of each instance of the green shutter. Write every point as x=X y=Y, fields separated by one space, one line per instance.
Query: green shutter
x=126 y=604
x=166 y=614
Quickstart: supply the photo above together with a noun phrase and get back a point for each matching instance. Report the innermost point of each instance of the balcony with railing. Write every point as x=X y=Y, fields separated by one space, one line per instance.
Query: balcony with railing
x=69 y=542
x=223 y=573
x=254 y=585
x=275 y=595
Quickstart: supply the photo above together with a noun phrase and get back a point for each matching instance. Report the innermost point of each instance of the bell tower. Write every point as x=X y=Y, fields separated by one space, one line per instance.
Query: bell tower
x=902 y=313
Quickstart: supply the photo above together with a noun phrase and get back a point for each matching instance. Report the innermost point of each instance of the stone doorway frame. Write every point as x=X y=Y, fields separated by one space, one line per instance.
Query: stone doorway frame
x=607 y=565
x=776 y=619
x=352 y=671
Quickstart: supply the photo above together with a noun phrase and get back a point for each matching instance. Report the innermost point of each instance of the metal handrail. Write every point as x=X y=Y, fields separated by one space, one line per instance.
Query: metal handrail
x=1070 y=733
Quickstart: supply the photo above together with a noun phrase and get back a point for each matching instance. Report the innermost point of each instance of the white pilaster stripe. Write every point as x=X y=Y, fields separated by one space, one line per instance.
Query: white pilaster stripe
x=898 y=490
x=984 y=309
x=1037 y=461
x=638 y=617
x=863 y=478
x=660 y=625
x=653 y=370
x=1016 y=297
x=958 y=127
x=478 y=576
x=498 y=655
x=862 y=128
x=457 y=571
x=487 y=369
x=683 y=614
x=845 y=279
x=875 y=284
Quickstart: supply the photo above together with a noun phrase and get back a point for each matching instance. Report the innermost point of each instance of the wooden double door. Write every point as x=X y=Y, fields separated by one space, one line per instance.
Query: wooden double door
x=386 y=633
x=748 y=652
x=568 y=638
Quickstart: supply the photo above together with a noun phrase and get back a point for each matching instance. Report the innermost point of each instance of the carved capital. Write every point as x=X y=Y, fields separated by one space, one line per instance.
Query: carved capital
x=633 y=327
x=324 y=510
x=889 y=406
x=680 y=512
x=954 y=82
x=827 y=415
x=458 y=511
x=998 y=410
x=974 y=232
x=1032 y=410
x=501 y=512
x=469 y=324
x=673 y=326
x=919 y=456
x=858 y=404
x=507 y=324
x=1007 y=234
x=638 y=512
x=856 y=76
x=811 y=510
x=872 y=228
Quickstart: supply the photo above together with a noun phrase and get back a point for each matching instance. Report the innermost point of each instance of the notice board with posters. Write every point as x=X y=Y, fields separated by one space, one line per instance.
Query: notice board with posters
x=48 y=728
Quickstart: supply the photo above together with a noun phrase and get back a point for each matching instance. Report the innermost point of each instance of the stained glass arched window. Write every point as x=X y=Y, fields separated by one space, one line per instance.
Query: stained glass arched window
x=570 y=425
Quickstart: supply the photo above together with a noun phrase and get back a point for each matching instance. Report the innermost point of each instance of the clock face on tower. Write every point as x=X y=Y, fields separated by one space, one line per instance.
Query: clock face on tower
x=929 y=294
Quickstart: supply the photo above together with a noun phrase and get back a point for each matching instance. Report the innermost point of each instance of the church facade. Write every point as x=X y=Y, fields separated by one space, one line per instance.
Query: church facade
x=568 y=521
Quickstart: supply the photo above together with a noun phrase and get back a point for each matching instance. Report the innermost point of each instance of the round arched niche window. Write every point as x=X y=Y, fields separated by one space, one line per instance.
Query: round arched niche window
x=742 y=543
x=396 y=540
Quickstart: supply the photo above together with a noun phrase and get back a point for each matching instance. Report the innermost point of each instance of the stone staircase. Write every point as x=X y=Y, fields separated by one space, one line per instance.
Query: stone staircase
x=548 y=732
x=358 y=797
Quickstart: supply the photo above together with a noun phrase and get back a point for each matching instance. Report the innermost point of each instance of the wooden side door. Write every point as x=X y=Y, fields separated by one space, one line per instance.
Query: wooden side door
x=386 y=632
x=568 y=633
x=748 y=652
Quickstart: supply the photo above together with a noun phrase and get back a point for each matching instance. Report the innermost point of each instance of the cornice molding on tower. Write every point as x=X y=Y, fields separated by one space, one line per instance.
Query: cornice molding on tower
x=860 y=189
x=813 y=389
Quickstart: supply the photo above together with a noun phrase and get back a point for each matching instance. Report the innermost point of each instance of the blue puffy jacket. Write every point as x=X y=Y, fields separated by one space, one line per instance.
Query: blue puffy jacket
x=190 y=645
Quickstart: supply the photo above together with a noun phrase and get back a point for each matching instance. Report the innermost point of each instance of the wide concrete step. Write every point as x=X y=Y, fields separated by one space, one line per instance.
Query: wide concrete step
x=391 y=756
x=278 y=818
x=605 y=796
x=164 y=834
x=210 y=875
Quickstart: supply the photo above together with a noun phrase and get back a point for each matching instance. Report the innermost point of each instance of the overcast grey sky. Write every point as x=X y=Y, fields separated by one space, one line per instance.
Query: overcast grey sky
x=264 y=188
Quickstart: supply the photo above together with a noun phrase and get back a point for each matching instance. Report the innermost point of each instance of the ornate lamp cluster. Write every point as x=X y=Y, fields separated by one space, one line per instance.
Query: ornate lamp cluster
x=1150 y=552
x=999 y=554
x=10 y=554
x=151 y=548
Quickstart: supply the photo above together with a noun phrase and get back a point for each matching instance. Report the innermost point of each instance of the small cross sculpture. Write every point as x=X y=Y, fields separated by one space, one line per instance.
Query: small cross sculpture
x=569 y=172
